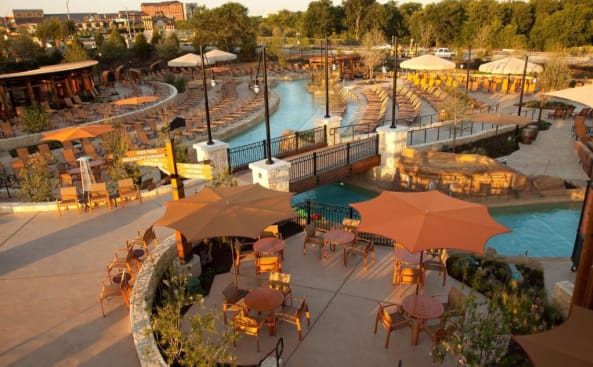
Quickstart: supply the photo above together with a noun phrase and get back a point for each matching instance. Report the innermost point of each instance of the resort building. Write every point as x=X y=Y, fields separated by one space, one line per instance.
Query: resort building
x=171 y=9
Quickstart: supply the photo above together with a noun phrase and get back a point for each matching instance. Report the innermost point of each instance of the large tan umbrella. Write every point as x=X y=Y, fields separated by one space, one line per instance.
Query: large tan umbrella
x=583 y=95
x=428 y=220
x=186 y=61
x=500 y=119
x=427 y=62
x=214 y=56
x=509 y=65
x=569 y=344
x=77 y=132
x=241 y=211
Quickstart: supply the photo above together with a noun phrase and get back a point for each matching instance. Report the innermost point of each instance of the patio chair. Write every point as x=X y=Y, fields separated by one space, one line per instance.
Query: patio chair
x=128 y=190
x=437 y=263
x=110 y=290
x=271 y=231
x=243 y=252
x=293 y=314
x=392 y=318
x=455 y=301
x=71 y=104
x=436 y=333
x=244 y=324
x=70 y=157
x=408 y=274
x=314 y=236
x=264 y=264
x=22 y=153
x=7 y=130
x=280 y=282
x=98 y=193
x=68 y=196
x=362 y=247
x=233 y=299
x=89 y=149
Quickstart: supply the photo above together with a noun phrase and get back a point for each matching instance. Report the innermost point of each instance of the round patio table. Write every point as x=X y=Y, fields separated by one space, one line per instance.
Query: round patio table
x=270 y=245
x=263 y=299
x=337 y=237
x=421 y=308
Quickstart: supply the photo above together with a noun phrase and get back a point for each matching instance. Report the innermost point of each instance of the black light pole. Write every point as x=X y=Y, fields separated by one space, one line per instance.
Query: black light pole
x=469 y=60
x=522 y=86
x=210 y=142
x=394 y=87
x=326 y=78
x=267 y=111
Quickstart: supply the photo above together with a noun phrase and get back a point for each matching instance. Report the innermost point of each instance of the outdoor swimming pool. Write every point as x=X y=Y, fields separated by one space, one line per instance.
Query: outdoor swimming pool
x=537 y=230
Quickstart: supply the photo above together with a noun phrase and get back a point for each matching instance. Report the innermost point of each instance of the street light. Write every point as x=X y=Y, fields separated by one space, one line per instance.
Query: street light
x=522 y=87
x=469 y=59
x=256 y=89
x=326 y=79
x=206 y=108
x=394 y=87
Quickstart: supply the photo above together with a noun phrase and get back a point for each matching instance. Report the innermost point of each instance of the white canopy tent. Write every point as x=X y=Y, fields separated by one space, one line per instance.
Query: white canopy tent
x=583 y=95
x=509 y=65
x=427 y=62
x=186 y=61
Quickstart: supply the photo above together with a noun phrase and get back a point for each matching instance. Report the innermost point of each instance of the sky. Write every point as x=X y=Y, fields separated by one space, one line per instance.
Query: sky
x=256 y=7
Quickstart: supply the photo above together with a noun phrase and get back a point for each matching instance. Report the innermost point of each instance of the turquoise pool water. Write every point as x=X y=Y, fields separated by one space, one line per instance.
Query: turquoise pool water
x=537 y=230
x=296 y=111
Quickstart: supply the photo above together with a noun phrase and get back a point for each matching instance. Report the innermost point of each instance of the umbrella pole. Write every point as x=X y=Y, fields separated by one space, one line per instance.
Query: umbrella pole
x=419 y=270
x=235 y=276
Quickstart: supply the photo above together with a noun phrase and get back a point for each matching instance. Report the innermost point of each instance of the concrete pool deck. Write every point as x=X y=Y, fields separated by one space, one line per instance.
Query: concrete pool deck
x=51 y=269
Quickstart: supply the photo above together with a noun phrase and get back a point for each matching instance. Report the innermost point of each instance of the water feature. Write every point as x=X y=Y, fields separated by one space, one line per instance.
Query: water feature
x=537 y=230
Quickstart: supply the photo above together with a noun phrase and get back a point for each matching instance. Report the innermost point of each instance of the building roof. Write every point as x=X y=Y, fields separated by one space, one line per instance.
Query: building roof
x=49 y=69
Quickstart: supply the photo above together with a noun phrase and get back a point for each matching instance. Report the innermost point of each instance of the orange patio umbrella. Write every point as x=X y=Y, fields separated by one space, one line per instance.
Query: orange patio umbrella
x=77 y=132
x=428 y=220
x=241 y=211
x=568 y=344
x=134 y=101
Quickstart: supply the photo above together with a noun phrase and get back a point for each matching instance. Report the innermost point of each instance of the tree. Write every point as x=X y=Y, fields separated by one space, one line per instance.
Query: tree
x=25 y=49
x=37 y=180
x=34 y=120
x=194 y=340
x=142 y=49
x=168 y=48
x=113 y=49
x=556 y=75
x=317 y=20
x=75 y=52
x=456 y=107
x=356 y=11
x=373 y=56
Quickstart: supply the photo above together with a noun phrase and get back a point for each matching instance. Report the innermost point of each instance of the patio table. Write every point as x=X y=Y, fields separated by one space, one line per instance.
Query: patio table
x=338 y=237
x=421 y=308
x=270 y=245
x=263 y=299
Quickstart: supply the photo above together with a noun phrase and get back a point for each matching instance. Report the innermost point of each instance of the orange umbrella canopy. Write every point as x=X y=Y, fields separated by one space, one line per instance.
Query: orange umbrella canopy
x=77 y=132
x=428 y=220
x=569 y=344
x=136 y=100
x=241 y=211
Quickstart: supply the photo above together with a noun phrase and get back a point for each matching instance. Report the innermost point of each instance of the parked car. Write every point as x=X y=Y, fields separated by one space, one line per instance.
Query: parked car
x=444 y=52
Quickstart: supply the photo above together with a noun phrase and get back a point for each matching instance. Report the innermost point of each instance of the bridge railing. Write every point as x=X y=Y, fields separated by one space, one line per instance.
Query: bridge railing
x=282 y=146
x=311 y=164
x=445 y=131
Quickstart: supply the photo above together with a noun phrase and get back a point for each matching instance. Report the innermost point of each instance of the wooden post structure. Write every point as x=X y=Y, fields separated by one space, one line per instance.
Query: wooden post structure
x=583 y=286
x=184 y=249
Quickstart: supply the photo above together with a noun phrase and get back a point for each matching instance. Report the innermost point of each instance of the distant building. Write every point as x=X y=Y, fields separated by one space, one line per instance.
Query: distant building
x=27 y=16
x=170 y=9
x=190 y=8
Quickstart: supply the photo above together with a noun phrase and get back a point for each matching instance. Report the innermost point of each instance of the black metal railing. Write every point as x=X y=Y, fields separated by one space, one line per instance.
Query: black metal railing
x=9 y=181
x=328 y=216
x=446 y=131
x=309 y=165
x=283 y=146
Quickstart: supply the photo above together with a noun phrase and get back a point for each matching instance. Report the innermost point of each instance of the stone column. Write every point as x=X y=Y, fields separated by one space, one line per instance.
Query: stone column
x=216 y=153
x=272 y=176
x=391 y=143
x=333 y=133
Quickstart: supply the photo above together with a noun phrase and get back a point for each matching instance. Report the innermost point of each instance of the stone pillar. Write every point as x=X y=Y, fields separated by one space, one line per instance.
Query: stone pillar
x=333 y=133
x=391 y=143
x=272 y=176
x=216 y=153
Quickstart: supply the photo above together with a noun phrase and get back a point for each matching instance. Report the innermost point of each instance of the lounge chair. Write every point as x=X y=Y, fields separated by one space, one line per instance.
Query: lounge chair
x=98 y=193
x=128 y=190
x=68 y=196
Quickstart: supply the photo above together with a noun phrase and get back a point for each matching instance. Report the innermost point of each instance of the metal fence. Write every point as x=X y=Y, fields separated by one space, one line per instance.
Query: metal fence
x=328 y=217
x=297 y=142
x=311 y=164
x=446 y=131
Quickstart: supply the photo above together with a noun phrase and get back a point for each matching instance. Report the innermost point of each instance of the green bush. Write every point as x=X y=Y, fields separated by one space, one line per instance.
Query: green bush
x=34 y=120
x=37 y=180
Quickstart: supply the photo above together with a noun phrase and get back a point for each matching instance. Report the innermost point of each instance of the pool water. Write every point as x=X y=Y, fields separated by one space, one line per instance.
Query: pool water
x=537 y=230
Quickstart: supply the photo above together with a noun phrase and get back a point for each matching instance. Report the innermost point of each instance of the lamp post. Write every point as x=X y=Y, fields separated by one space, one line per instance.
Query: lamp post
x=469 y=60
x=522 y=87
x=326 y=79
x=206 y=108
x=394 y=86
x=268 y=142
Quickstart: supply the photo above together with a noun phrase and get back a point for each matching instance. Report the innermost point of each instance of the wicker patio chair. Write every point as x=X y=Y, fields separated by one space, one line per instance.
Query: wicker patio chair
x=391 y=318
x=293 y=314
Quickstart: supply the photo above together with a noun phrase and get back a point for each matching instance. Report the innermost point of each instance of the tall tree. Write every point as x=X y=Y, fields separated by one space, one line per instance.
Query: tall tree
x=317 y=21
x=75 y=52
x=356 y=11
x=372 y=56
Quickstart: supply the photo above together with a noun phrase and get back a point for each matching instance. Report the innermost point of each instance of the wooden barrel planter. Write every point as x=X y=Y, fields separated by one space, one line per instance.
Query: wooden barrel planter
x=528 y=134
